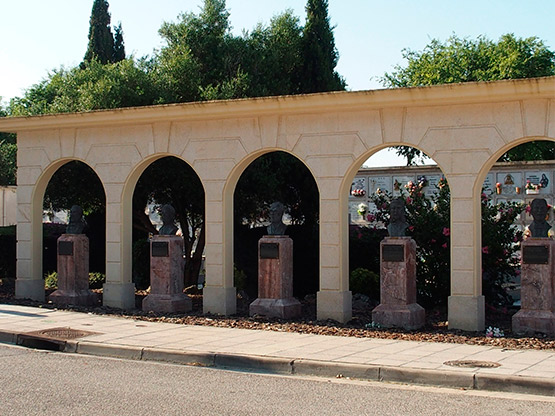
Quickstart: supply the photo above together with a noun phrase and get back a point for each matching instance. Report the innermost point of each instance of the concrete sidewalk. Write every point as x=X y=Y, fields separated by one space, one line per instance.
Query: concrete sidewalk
x=522 y=371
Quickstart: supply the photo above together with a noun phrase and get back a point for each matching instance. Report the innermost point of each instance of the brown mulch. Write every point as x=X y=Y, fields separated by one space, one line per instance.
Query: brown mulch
x=435 y=330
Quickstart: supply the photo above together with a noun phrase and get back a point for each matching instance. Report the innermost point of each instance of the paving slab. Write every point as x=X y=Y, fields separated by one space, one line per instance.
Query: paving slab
x=525 y=371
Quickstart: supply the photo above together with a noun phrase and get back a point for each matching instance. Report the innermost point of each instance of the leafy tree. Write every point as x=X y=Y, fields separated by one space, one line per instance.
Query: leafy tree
x=8 y=154
x=101 y=40
x=320 y=55
x=464 y=60
x=97 y=86
x=119 y=47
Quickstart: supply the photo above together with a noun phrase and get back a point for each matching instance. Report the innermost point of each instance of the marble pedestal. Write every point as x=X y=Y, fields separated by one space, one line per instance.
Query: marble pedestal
x=166 y=276
x=73 y=272
x=275 y=279
x=537 y=311
x=398 y=307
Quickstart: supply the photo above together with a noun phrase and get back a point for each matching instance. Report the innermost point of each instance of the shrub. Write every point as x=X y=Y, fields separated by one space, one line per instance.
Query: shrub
x=51 y=281
x=96 y=280
x=365 y=282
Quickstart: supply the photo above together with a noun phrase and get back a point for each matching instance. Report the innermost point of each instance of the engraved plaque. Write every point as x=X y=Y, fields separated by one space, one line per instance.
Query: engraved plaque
x=393 y=252
x=65 y=248
x=160 y=249
x=269 y=251
x=535 y=254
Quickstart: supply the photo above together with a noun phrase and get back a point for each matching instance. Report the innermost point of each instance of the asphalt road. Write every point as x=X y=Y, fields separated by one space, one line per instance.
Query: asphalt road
x=36 y=382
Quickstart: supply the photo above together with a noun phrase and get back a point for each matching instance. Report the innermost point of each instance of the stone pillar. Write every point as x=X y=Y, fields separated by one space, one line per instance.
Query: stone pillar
x=537 y=311
x=275 y=279
x=166 y=276
x=398 y=307
x=73 y=272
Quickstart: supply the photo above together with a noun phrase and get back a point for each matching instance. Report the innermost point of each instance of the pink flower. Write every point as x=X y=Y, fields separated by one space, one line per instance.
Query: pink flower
x=446 y=231
x=409 y=200
x=485 y=250
x=528 y=209
x=444 y=245
x=371 y=218
x=411 y=228
x=433 y=240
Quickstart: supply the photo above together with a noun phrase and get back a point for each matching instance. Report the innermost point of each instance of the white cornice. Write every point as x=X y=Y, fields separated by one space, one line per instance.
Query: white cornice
x=438 y=95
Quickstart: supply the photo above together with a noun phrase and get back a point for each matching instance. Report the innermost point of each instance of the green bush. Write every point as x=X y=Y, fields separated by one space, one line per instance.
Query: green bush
x=96 y=280
x=239 y=278
x=365 y=282
x=51 y=281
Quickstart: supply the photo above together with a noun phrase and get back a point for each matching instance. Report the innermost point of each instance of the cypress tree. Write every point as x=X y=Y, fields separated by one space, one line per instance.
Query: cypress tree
x=101 y=40
x=119 y=47
x=320 y=55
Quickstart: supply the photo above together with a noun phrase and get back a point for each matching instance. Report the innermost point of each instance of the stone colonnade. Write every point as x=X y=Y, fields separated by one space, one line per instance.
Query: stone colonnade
x=463 y=127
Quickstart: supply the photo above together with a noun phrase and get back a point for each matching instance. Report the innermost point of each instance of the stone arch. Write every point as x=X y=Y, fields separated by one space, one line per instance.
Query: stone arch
x=30 y=280
x=344 y=199
x=126 y=249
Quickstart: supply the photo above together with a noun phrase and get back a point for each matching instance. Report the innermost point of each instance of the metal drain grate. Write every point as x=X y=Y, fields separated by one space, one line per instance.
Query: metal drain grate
x=62 y=334
x=472 y=364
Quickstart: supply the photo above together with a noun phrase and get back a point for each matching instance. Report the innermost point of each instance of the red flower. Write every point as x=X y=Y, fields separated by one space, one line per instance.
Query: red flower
x=485 y=250
x=446 y=232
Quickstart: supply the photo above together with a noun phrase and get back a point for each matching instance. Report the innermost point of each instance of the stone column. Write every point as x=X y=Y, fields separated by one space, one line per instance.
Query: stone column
x=275 y=279
x=537 y=311
x=398 y=307
x=166 y=276
x=73 y=272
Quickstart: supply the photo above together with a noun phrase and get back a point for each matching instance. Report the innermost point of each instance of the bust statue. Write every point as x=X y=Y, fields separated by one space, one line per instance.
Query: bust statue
x=539 y=227
x=276 y=227
x=76 y=222
x=397 y=222
x=167 y=212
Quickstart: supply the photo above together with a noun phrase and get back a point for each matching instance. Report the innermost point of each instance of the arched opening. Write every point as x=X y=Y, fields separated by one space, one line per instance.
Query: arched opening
x=74 y=183
x=168 y=180
x=422 y=187
x=514 y=177
x=276 y=176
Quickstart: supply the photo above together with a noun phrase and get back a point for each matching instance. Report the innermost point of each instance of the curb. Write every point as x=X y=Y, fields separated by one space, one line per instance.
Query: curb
x=307 y=367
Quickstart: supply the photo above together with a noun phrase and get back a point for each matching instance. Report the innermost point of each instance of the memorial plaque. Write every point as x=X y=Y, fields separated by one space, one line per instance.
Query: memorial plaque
x=160 y=249
x=269 y=251
x=65 y=248
x=535 y=254
x=393 y=252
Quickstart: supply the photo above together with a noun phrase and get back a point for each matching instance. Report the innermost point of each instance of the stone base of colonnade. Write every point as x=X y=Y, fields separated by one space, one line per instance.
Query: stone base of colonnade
x=334 y=305
x=30 y=289
x=466 y=313
x=119 y=295
x=219 y=300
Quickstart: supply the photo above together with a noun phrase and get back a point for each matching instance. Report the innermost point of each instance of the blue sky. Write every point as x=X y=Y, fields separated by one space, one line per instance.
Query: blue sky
x=37 y=36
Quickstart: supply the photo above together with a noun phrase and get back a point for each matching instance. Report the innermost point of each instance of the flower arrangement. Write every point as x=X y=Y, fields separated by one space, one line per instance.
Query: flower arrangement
x=498 y=188
x=362 y=209
x=532 y=188
x=494 y=332
x=358 y=192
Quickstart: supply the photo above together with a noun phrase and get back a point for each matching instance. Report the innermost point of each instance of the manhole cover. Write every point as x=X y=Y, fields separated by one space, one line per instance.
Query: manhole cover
x=472 y=364
x=62 y=334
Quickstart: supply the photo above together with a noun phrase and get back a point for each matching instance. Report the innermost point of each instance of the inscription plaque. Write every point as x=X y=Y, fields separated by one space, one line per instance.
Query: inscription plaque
x=269 y=251
x=160 y=249
x=65 y=248
x=535 y=254
x=393 y=252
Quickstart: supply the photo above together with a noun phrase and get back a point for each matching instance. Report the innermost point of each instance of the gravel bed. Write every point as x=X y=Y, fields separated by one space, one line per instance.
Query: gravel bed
x=435 y=330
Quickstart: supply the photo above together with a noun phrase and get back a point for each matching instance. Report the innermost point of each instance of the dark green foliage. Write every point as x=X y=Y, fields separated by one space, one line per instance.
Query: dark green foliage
x=119 y=47
x=171 y=181
x=276 y=176
x=101 y=40
x=7 y=252
x=96 y=280
x=141 y=263
x=319 y=53
x=464 y=60
x=75 y=183
x=365 y=282
x=8 y=153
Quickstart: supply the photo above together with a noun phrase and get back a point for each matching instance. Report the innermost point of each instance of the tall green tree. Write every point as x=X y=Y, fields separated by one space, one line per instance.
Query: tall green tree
x=119 y=46
x=320 y=55
x=101 y=39
x=481 y=59
x=8 y=154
